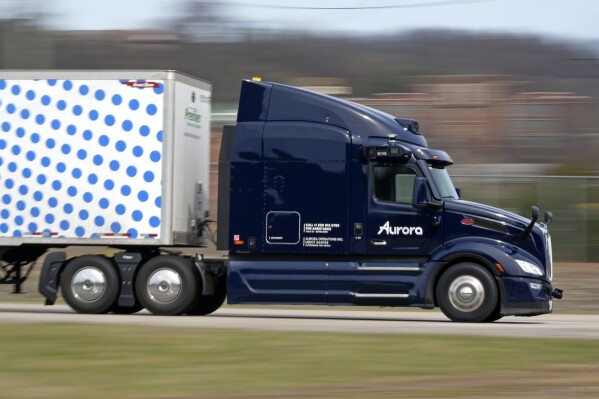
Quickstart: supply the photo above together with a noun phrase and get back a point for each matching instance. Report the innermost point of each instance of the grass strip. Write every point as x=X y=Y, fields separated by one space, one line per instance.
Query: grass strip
x=97 y=361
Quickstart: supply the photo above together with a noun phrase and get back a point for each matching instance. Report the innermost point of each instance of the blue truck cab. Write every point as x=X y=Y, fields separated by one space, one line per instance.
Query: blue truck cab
x=324 y=201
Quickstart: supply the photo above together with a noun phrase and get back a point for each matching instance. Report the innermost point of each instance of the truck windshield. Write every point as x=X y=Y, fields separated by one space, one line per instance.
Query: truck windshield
x=443 y=183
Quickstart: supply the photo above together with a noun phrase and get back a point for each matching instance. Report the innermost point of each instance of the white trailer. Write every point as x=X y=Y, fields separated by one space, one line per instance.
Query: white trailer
x=110 y=158
x=97 y=157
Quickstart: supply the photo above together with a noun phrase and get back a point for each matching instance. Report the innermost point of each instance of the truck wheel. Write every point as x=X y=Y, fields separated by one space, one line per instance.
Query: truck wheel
x=467 y=292
x=90 y=284
x=116 y=309
x=210 y=303
x=166 y=285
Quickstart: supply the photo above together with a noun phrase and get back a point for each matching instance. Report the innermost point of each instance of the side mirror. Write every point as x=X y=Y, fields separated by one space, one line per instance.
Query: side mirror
x=459 y=192
x=535 y=215
x=420 y=193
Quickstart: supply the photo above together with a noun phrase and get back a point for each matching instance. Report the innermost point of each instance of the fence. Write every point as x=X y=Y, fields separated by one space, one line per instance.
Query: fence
x=573 y=200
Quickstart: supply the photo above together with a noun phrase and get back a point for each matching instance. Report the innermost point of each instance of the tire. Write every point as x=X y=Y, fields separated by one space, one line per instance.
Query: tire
x=90 y=284
x=492 y=318
x=167 y=285
x=467 y=292
x=210 y=303
x=116 y=309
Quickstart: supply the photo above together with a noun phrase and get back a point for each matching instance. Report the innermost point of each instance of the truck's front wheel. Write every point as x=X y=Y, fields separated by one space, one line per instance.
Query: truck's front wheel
x=167 y=285
x=467 y=292
x=90 y=284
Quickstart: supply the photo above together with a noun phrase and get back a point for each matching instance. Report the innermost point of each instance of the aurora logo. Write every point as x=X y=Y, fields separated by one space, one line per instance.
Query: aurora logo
x=399 y=230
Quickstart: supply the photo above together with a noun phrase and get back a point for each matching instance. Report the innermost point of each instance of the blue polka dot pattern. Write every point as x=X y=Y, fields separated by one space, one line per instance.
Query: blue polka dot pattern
x=134 y=104
x=142 y=196
x=155 y=156
x=80 y=158
x=138 y=151
x=154 y=221
x=137 y=215
x=151 y=109
x=149 y=176
x=104 y=203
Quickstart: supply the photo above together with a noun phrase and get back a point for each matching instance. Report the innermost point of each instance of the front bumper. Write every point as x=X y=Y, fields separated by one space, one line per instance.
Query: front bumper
x=522 y=296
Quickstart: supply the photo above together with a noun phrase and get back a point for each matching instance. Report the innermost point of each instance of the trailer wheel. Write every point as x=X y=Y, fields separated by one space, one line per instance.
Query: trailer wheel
x=90 y=284
x=467 y=292
x=167 y=285
x=210 y=303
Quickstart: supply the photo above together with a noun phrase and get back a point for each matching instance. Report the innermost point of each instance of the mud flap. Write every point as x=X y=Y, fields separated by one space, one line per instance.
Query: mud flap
x=48 y=283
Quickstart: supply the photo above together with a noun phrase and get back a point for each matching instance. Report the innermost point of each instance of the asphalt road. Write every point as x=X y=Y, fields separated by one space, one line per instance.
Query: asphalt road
x=326 y=320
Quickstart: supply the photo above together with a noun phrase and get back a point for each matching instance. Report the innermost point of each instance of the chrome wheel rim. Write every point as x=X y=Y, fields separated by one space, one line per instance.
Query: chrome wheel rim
x=164 y=285
x=88 y=284
x=466 y=293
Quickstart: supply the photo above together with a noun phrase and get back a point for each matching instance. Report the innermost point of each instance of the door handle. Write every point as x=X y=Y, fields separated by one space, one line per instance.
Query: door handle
x=378 y=243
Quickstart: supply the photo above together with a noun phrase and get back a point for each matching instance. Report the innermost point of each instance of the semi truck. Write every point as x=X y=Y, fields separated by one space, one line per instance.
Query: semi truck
x=321 y=202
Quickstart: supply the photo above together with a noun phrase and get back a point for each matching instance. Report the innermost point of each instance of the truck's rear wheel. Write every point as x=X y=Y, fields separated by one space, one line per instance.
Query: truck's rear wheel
x=210 y=303
x=116 y=309
x=467 y=292
x=167 y=285
x=90 y=284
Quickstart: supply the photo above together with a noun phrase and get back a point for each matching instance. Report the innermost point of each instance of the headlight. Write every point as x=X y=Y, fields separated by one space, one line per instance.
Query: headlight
x=529 y=268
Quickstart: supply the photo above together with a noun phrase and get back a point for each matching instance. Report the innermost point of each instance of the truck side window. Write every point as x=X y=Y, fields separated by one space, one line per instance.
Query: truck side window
x=393 y=183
